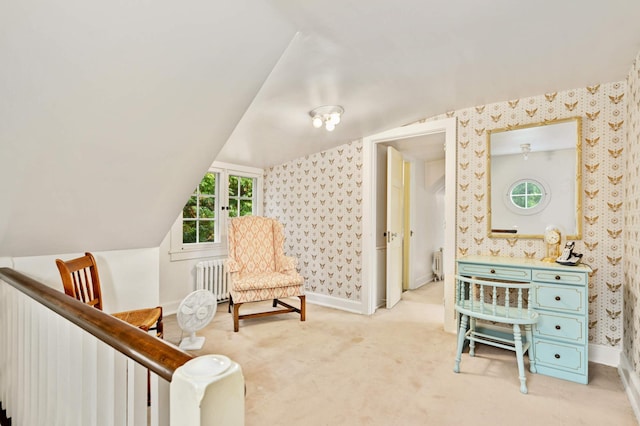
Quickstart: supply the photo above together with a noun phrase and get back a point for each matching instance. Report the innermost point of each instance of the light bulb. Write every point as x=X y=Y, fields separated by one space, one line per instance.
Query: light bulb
x=317 y=122
x=330 y=126
x=335 y=118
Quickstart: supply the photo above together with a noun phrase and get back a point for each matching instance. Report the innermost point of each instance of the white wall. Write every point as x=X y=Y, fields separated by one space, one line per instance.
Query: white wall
x=177 y=278
x=427 y=217
x=129 y=278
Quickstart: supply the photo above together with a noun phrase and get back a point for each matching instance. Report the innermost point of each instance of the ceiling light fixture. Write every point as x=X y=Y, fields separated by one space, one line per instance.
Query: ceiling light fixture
x=526 y=149
x=328 y=116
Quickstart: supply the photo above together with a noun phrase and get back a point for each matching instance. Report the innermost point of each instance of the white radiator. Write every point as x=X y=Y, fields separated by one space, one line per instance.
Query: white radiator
x=436 y=266
x=211 y=275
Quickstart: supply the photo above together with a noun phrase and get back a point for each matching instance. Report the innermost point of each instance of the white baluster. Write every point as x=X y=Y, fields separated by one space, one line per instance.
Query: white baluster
x=22 y=373
x=120 y=388
x=89 y=378
x=106 y=389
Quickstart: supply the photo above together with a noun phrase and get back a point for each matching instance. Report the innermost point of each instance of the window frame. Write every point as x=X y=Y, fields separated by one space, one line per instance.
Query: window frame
x=181 y=251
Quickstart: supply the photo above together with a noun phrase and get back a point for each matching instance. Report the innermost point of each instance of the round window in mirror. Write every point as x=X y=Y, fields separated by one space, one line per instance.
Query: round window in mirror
x=527 y=196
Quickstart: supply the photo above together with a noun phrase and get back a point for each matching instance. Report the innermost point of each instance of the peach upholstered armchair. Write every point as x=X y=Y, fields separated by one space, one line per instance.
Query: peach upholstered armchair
x=259 y=270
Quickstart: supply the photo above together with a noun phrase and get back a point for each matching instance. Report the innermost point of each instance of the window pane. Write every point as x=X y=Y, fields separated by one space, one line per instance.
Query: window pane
x=207 y=207
x=189 y=231
x=519 y=201
x=208 y=184
x=246 y=207
x=533 y=188
x=189 y=210
x=519 y=189
x=533 y=200
x=246 y=187
x=233 y=186
x=207 y=231
x=233 y=208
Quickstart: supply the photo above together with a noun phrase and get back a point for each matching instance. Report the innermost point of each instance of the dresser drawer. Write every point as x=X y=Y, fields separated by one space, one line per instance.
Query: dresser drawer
x=559 y=298
x=571 y=358
x=494 y=271
x=560 y=277
x=570 y=328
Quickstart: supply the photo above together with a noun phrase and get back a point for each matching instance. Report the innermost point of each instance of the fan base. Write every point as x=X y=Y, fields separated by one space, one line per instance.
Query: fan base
x=192 y=344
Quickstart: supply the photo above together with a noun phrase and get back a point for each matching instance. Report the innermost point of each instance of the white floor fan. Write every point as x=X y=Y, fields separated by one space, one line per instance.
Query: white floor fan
x=194 y=313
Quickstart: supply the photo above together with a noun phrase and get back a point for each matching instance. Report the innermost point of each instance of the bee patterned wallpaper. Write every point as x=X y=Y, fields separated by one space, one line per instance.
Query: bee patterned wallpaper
x=318 y=198
x=328 y=243
x=602 y=108
x=632 y=221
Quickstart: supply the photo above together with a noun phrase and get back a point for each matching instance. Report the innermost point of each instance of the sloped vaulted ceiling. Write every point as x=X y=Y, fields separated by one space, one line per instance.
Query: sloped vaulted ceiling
x=110 y=111
x=389 y=63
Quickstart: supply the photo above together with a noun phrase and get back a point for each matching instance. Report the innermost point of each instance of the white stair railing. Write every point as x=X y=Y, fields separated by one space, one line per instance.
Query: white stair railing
x=65 y=363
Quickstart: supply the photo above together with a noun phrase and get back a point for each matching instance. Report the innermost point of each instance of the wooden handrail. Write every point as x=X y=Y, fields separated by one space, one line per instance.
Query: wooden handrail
x=149 y=351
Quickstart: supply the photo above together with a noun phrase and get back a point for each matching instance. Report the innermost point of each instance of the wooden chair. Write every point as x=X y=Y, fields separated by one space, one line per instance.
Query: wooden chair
x=495 y=302
x=259 y=270
x=81 y=280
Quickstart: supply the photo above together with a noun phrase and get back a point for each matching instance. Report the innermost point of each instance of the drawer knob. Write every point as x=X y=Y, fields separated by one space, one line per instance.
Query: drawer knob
x=493 y=271
x=557 y=298
x=557 y=277
x=558 y=327
x=557 y=356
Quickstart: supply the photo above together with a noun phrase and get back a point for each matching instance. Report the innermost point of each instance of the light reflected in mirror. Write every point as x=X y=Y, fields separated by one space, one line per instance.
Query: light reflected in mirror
x=534 y=179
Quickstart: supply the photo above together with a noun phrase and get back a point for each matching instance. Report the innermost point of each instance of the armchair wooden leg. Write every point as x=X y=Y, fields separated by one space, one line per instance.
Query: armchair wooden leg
x=275 y=303
x=236 y=316
x=303 y=307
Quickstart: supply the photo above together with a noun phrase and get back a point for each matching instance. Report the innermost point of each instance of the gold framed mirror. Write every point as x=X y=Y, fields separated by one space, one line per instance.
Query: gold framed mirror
x=534 y=179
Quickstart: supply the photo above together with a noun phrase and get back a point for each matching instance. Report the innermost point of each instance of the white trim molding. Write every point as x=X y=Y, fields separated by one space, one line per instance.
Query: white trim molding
x=170 y=308
x=606 y=355
x=335 y=302
x=631 y=382
x=370 y=266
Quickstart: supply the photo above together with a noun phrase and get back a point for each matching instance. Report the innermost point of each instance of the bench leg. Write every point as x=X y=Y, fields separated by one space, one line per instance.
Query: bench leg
x=532 y=350
x=472 y=343
x=517 y=339
x=461 y=336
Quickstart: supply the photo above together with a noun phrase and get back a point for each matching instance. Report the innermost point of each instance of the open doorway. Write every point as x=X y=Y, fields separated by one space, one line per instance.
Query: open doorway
x=432 y=217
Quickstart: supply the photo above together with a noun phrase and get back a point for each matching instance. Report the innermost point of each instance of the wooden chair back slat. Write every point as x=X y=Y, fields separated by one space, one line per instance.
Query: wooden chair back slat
x=80 y=279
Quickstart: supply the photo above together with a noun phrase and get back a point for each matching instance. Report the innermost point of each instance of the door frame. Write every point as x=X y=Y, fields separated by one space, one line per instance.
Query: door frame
x=448 y=126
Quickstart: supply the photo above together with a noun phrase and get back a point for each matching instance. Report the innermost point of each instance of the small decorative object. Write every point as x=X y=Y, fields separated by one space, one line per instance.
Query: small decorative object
x=552 y=237
x=568 y=256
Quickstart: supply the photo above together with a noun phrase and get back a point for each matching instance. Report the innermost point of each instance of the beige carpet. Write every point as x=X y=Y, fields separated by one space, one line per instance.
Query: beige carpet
x=394 y=368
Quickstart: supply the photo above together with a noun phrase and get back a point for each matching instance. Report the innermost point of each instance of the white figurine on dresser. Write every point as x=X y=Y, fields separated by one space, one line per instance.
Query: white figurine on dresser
x=560 y=296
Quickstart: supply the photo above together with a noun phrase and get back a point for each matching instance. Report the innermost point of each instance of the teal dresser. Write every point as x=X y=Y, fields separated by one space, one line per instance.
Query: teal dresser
x=560 y=339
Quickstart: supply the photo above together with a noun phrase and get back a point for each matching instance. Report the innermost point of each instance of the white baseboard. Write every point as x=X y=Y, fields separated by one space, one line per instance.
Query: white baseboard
x=170 y=308
x=604 y=355
x=420 y=281
x=631 y=382
x=334 y=302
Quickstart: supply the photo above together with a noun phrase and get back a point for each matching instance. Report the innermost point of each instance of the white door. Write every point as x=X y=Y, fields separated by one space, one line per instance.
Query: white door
x=395 y=207
x=407 y=273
